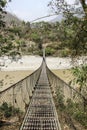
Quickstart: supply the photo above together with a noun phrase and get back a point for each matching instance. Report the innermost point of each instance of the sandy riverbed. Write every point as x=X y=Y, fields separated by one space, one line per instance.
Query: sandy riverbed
x=8 y=78
x=64 y=74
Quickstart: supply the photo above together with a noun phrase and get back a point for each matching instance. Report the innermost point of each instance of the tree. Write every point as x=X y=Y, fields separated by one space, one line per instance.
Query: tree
x=2 y=11
x=81 y=77
x=2 y=5
x=79 y=41
x=83 y=2
x=63 y=6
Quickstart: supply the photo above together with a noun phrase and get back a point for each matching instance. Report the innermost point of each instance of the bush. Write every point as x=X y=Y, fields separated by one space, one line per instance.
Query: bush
x=7 y=113
x=73 y=110
x=49 y=51
x=60 y=99
x=40 y=52
x=35 y=37
x=4 y=106
x=65 y=52
x=8 y=110
x=70 y=107
x=81 y=117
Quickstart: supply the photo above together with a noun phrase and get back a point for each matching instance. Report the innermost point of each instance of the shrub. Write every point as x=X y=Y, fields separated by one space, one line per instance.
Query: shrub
x=4 y=106
x=40 y=52
x=60 y=99
x=65 y=52
x=74 y=110
x=49 y=51
x=8 y=110
x=81 y=117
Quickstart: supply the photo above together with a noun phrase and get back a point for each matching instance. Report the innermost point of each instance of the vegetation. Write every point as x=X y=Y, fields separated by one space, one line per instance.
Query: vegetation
x=10 y=117
x=72 y=110
x=80 y=74
x=8 y=111
x=77 y=113
x=68 y=38
x=2 y=5
x=59 y=38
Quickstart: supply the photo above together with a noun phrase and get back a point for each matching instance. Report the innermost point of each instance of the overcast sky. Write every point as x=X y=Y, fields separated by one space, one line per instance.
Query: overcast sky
x=29 y=10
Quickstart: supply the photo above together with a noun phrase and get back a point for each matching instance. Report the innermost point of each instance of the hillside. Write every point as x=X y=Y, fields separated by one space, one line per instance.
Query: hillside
x=59 y=18
x=59 y=38
x=9 y=18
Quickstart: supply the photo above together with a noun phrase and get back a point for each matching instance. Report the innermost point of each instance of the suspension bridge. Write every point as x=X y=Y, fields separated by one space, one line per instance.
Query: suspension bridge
x=41 y=113
x=34 y=96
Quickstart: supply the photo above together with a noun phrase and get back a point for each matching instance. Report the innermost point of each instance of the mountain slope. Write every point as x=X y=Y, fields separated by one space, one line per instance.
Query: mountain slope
x=9 y=18
x=59 y=18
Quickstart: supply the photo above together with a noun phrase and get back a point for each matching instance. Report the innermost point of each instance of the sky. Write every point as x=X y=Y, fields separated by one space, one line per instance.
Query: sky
x=29 y=10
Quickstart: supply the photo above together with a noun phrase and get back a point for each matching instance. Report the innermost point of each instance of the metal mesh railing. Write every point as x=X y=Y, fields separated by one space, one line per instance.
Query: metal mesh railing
x=67 y=91
x=19 y=94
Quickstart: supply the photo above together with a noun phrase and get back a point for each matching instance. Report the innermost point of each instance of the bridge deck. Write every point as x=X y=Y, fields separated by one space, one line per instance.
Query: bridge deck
x=41 y=114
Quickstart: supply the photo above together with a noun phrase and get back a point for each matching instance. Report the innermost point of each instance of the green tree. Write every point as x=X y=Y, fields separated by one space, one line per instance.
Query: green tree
x=84 y=5
x=80 y=74
x=2 y=5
